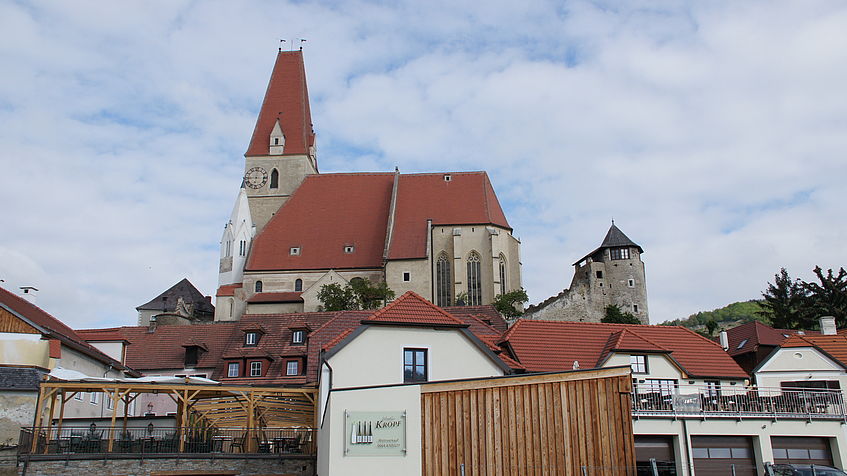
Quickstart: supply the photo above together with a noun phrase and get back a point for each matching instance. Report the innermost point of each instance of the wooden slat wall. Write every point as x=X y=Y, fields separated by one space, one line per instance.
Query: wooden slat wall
x=10 y=323
x=547 y=428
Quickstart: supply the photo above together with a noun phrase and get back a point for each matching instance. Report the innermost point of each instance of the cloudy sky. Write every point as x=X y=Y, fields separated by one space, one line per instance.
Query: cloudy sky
x=714 y=133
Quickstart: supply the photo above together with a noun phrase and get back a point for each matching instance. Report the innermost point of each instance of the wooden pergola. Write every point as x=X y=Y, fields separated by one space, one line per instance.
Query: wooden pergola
x=213 y=405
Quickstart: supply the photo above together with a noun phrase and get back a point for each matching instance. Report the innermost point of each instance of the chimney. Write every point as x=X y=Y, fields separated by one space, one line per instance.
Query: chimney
x=724 y=338
x=30 y=293
x=828 y=326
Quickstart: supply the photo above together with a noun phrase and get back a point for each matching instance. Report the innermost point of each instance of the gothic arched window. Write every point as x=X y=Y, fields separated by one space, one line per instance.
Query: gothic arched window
x=258 y=286
x=502 y=274
x=274 y=179
x=298 y=285
x=443 y=288
x=474 y=279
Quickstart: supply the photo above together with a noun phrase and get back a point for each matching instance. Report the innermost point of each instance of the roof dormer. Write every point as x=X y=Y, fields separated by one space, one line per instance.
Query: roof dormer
x=277 y=140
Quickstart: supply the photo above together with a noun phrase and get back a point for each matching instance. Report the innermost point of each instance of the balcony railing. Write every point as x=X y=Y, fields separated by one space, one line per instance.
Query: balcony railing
x=96 y=441
x=710 y=401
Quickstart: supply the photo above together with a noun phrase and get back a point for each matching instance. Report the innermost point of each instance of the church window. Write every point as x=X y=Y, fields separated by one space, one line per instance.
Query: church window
x=631 y=283
x=258 y=286
x=407 y=276
x=474 y=279
x=242 y=248
x=298 y=285
x=294 y=251
x=447 y=178
x=275 y=176
x=502 y=265
x=599 y=274
x=443 y=289
x=231 y=306
x=232 y=369
x=619 y=253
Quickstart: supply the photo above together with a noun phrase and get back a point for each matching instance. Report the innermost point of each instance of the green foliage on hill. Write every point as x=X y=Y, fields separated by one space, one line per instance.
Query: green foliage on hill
x=727 y=316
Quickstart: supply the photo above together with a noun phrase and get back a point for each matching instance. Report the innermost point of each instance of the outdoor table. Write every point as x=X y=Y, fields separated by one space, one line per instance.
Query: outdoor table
x=219 y=441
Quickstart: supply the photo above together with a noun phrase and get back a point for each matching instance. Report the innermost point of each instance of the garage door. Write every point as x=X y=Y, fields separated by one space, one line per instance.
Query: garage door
x=717 y=455
x=801 y=450
x=660 y=448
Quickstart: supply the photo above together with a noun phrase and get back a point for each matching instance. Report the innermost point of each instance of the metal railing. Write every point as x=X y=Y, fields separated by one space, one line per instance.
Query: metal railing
x=681 y=400
x=95 y=440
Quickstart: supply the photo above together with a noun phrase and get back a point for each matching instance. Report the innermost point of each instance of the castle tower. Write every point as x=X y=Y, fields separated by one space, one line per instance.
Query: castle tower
x=611 y=274
x=282 y=149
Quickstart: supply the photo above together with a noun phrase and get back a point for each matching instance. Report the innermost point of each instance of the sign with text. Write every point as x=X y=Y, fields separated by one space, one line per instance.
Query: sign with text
x=375 y=433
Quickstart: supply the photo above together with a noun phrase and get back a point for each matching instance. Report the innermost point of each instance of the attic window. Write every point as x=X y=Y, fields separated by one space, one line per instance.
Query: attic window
x=294 y=251
x=447 y=178
x=191 y=355
x=619 y=253
x=742 y=344
x=276 y=140
x=251 y=339
x=292 y=367
x=349 y=249
x=298 y=337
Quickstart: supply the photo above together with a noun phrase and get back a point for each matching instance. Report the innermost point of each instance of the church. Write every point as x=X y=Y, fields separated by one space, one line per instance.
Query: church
x=293 y=229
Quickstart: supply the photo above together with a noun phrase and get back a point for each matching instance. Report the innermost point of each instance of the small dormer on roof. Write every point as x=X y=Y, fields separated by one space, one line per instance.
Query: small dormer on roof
x=277 y=140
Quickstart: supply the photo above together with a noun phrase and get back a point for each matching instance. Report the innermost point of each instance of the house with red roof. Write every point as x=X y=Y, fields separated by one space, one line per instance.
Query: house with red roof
x=695 y=409
x=442 y=235
x=749 y=344
x=33 y=344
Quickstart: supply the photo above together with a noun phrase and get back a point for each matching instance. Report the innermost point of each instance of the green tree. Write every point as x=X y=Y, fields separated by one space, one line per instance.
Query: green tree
x=614 y=315
x=334 y=297
x=506 y=304
x=829 y=298
x=784 y=301
x=711 y=327
x=371 y=295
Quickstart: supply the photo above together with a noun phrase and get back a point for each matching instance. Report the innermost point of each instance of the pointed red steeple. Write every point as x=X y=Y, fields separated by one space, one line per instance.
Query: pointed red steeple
x=286 y=100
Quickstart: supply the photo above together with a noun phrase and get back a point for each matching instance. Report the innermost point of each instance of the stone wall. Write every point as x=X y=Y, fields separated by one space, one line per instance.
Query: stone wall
x=16 y=410
x=249 y=465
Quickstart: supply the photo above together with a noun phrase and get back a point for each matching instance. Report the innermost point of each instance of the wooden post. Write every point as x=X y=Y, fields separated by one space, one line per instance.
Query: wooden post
x=183 y=419
x=38 y=416
x=61 y=414
x=114 y=396
x=50 y=421
x=251 y=423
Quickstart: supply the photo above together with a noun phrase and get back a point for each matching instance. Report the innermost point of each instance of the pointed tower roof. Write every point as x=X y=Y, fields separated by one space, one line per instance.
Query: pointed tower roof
x=183 y=289
x=615 y=238
x=286 y=99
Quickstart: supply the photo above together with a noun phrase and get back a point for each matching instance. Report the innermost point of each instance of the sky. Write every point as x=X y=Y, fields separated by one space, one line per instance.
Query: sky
x=713 y=133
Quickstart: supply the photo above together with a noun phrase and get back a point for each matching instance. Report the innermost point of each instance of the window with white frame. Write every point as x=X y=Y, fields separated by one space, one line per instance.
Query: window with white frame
x=95 y=398
x=110 y=404
x=665 y=387
x=407 y=276
x=251 y=338
x=298 y=337
x=232 y=369
x=255 y=369
x=79 y=395
x=638 y=364
x=292 y=367
x=619 y=253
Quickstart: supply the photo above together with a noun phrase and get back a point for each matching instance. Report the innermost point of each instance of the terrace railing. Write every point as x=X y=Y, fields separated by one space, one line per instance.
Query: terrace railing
x=94 y=441
x=711 y=401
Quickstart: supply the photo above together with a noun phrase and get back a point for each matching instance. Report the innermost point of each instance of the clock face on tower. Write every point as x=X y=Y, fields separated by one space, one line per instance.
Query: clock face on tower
x=255 y=177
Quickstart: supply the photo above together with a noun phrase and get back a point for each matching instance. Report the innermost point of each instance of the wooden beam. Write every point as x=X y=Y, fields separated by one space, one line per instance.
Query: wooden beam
x=529 y=379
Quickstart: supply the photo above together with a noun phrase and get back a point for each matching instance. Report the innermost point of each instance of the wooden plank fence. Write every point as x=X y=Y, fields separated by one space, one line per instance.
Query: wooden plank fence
x=551 y=424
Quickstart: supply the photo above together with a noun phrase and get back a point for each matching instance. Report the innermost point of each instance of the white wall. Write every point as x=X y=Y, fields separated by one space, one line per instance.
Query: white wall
x=799 y=364
x=375 y=357
x=332 y=437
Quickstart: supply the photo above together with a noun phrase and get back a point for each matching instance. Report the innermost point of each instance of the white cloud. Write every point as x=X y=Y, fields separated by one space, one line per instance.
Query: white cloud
x=711 y=132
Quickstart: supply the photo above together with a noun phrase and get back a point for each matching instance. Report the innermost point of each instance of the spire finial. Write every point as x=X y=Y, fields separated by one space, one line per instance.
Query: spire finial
x=302 y=40
x=613 y=222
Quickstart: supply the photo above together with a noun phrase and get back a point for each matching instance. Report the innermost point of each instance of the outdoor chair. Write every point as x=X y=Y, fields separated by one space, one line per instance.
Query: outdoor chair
x=238 y=443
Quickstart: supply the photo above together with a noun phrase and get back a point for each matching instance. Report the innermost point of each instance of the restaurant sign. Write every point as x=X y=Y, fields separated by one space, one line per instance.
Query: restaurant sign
x=375 y=433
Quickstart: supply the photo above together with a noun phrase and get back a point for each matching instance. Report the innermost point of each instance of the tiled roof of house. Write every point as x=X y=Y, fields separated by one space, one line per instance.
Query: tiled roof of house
x=430 y=196
x=183 y=289
x=330 y=212
x=748 y=337
x=276 y=297
x=163 y=348
x=286 y=100
x=544 y=346
x=228 y=289
x=20 y=378
x=833 y=345
x=411 y=308
x=487 y=314
x=54 y=328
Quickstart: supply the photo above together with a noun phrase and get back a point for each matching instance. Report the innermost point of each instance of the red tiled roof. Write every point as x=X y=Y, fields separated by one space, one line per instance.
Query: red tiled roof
x=429 y=196
x=276 y=297
x=53 y=327
x=330 y=211
x=833 y=345
x=326 y=213
x=286 y=100
x=228 y=289
x=755 y=334
x=543 y=346
x=329 y=345
x=411 y=308
x=485 y=313
x=163 y=348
